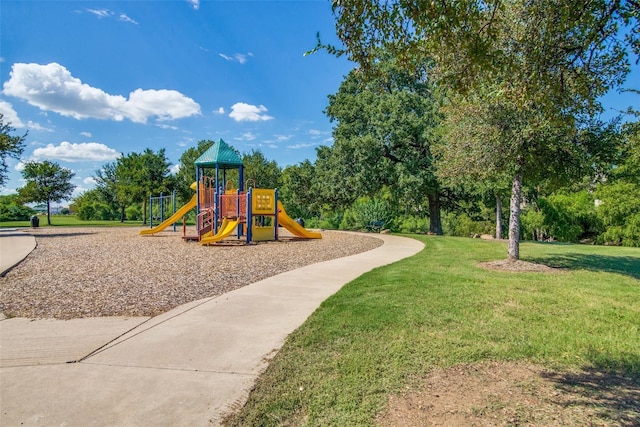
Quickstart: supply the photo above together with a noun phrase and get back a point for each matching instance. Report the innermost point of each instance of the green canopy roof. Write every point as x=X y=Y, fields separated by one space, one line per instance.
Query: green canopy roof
x=220 y=154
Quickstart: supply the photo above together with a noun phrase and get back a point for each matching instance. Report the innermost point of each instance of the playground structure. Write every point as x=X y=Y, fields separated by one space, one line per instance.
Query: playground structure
x=162 y=207
x=250 y=214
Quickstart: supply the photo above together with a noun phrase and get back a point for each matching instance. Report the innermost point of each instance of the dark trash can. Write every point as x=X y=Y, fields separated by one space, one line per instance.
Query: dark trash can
x=35 y=221
x=300 y=222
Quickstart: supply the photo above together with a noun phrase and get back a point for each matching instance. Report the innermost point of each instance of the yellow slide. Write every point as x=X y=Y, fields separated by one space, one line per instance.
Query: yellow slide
x=295 y=228
x=227 y=227
x=173 y=218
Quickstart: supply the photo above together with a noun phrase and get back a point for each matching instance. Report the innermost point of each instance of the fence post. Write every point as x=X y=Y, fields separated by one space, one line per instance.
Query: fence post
x=275 y=215
x=249 y=218
x=174 y=208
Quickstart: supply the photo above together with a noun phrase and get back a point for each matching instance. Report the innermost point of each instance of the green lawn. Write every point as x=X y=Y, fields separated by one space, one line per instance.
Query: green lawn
x=437 y=309
x=68 y=221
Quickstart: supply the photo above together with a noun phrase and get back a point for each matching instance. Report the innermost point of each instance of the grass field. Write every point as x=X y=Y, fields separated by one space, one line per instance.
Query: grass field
x=68 y=221
x=437 y=309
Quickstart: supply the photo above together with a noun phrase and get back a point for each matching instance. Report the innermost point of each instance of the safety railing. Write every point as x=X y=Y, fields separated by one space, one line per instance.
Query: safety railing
x=232 y=205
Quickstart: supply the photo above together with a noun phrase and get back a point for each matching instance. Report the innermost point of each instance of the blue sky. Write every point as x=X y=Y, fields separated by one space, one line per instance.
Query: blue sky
x=91 y=79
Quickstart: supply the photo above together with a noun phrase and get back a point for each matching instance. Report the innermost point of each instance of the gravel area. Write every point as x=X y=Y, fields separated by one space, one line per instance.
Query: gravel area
x=93 y=272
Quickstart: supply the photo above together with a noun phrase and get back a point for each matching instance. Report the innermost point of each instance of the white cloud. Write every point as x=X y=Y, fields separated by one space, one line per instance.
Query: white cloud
x=175 y=169
x=194 y=3
x=219 y=111
x=283 y=137
x=241 y=112
x=237 y=57
x=86 y=134
x=19 y=166
x=10 y=115
x=89 y=181
x=2 y=59
x=51 y=87
x=101 y=13
x=163 y=103
x=124 y=18
x=315 y=133
x=185 y=141
x=77 y=191
x=6 y=191
x=106 y=13
x=247 y=136
x=37 y=126
x=163 y=126
x=299 y=146
x=66 y=151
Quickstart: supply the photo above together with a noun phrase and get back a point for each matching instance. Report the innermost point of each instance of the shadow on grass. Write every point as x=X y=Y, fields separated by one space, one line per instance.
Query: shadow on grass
x=614 y=397
x=629 y=266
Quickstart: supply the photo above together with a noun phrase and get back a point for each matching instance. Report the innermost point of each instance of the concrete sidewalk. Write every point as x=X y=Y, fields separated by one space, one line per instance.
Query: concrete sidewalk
x=15 y=245
x=188 y=367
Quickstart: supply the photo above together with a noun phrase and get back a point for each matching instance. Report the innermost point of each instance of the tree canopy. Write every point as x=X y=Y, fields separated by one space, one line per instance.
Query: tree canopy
x=531 y=71
x=385 y=128
x=619 y=194
x=187 y=173
x=10 y=146
x=46 y=182
x=123 y=186
x=265 y=173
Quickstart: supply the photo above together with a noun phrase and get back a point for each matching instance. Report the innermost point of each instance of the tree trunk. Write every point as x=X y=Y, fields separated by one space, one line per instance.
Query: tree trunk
x=514 y=217
x=498 y=217
x=48 y=212
x=122 y=214
x=435 y=223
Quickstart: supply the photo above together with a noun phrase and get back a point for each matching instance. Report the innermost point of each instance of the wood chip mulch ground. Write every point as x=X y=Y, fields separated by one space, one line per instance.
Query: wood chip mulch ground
x=93 y=272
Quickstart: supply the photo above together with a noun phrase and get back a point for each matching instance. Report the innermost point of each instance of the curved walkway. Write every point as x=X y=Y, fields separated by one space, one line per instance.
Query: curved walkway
x=15 y=245
x=187 y=367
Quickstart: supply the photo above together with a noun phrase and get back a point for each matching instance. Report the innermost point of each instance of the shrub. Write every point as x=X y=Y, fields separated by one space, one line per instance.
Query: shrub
x=11 y=210
x=626 y=235
x=532 y=224
x=569 y=217
x=412 y=224
x=134 y=212
x=460 y=224
x=619 y=211
x=95 y=211
x=364 y=211
x=86 y=212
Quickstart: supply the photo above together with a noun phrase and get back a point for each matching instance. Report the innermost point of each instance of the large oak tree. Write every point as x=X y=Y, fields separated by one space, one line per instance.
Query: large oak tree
x=533 y=69
x=384 y=131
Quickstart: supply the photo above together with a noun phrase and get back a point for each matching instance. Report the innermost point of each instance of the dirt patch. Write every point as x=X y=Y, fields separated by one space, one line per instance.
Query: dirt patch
x=516 y=394
x=518 y=266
